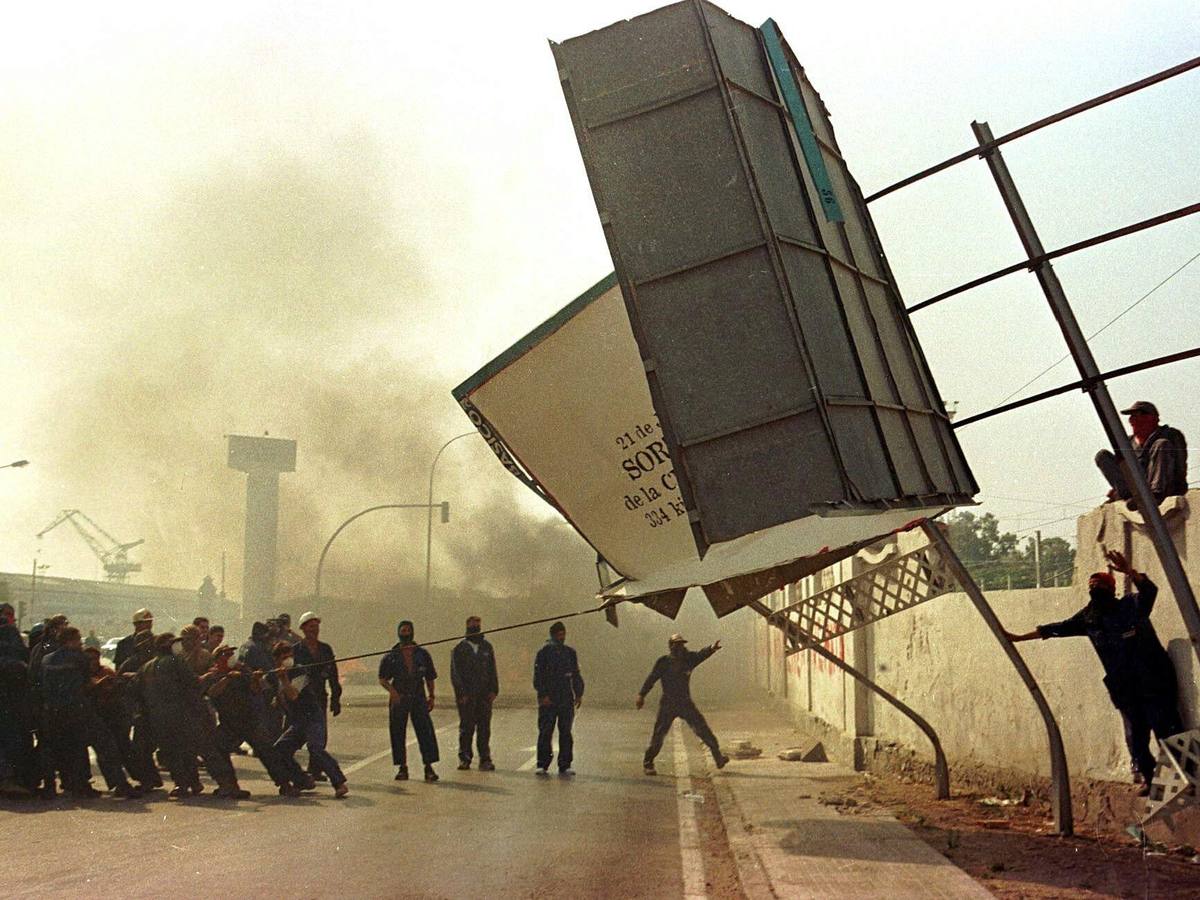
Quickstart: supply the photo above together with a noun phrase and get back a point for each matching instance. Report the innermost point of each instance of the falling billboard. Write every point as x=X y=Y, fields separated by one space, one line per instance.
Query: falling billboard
x=744 y=401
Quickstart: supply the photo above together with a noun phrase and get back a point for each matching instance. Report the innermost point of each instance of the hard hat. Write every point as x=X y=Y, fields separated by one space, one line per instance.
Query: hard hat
x=309 y=617
x=677 y=638
x=143 y=615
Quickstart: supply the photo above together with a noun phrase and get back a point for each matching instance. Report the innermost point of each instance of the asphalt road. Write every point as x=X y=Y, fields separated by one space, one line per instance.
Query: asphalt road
x=608 y=832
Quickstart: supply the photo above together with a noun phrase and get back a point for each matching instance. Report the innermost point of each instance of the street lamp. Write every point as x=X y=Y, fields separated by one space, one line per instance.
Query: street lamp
x=445 y=512
x=445 y=507
x=19 y=464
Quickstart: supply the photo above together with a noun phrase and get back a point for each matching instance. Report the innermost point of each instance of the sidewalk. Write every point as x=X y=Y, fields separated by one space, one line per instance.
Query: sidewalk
x=787 y=843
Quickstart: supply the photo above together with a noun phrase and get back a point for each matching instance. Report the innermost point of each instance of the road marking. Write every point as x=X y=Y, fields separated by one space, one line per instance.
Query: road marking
x=363 y=763
x=690 y=853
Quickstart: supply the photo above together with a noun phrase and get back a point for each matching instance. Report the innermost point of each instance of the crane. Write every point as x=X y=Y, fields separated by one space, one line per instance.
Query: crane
x=113 y=554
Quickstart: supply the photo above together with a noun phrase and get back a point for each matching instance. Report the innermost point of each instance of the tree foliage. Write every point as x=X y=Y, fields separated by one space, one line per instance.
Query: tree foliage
x=1000 y=559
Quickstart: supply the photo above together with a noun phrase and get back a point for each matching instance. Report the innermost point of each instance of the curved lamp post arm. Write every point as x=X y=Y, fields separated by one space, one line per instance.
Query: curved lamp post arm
x=429 y=524
x=342 y=527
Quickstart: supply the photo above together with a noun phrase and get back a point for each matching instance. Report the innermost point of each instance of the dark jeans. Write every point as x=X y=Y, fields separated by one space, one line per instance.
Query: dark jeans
x=398 y=716
x=63 y=746
x=1159 y=716
x=142 y=748
x=475 y=722
x=234 y=731
x=1110 y=467
x=184 y=734
x=562 y=715
x=667 y=714
x=108 y=751
x=310 y=731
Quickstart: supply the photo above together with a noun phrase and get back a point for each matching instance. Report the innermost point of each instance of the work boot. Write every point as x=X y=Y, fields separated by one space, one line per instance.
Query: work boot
x=430 y=775
x=402 y=773
x=289 y=790
x=87 y=792
x=126 y=792
x=231 y=791
x=721 y=760
x=566 y=773
x=13 y=788
x=648 y=769
x=317 y=776
x=308 y=783
x=486 y=765
x=543 y=770
x=179 y=793
x=340 y=792
x=465 y=765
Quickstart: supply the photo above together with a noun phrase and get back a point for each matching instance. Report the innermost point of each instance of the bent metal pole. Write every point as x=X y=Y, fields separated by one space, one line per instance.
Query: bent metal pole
x=1060 y=778
x=1077 y=343
x=941 y=771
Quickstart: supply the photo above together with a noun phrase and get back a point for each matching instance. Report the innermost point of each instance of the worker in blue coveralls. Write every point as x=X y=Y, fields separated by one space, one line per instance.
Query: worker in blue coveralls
x=1138 y=673
x=407 y=673
x=559 y=686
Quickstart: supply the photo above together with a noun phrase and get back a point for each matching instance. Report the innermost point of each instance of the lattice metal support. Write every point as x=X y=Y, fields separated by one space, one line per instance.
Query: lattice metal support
x=1176 y=779
x=891 y=587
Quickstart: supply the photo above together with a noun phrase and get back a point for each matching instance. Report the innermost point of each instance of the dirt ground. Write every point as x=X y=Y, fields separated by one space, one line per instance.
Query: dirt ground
x=1012 y=850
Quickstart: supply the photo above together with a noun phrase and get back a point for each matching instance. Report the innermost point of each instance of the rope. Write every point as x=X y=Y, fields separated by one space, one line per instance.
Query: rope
x=446 y=640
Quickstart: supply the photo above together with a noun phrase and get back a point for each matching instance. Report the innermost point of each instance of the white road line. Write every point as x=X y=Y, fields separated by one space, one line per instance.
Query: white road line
x=690 y=853
x=363 y=763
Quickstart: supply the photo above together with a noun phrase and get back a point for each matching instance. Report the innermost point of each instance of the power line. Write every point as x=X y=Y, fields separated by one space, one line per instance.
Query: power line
x=1102 y=328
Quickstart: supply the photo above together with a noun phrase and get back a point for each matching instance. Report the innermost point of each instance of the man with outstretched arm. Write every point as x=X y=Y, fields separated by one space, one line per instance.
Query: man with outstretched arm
x=1138 y=673
x=675 y=672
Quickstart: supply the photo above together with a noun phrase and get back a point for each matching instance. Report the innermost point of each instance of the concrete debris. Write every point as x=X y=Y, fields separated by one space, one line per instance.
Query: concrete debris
x=815 y=753
x=743 y=749
x=693 y=796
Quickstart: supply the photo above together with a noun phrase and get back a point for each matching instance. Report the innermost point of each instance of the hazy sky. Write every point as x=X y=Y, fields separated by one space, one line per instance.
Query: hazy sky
x=315 y=219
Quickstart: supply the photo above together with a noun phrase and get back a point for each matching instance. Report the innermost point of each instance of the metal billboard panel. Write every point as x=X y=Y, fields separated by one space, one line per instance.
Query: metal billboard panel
x=567 y=410
x=785 y=375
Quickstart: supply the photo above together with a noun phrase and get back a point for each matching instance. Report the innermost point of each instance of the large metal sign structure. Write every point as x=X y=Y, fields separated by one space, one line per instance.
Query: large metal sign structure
x=744 y=401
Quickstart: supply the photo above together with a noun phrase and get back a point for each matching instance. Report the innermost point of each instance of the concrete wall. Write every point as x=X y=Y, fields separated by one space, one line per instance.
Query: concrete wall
x=941 y=659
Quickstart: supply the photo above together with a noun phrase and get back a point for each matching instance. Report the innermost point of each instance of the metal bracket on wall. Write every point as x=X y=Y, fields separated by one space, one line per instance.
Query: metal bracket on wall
x=891 y=587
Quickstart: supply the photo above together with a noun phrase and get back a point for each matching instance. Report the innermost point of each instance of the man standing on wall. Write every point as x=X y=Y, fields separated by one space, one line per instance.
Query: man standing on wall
x=675 y=672
x=1138 y=673
x=559 y=686
x=476 y=684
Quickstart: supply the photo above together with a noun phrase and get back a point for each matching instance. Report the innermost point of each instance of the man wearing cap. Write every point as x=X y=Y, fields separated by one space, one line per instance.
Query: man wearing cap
x=559 y=686
x=1161 y=452
x=143 y=743
x=406 y=673
x=143 y=620
x=675 y=672
x=318 y=661
x=285 y=629
x=294 y=688
x=476 y=684
x=1138 y=673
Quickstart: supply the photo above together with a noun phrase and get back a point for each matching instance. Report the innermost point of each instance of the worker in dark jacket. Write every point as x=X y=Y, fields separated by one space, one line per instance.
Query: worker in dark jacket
x=319 y=662
x=17 y=765
x=231 y=689
x=1161 y=452
x=108 y=728
x=142 y=743
x=559 y=686
x=1138 y=673
x=143 y=621
x=305 y=713
x=407 y=674
x=181 y=723
x=476 y=684
x=675 y=672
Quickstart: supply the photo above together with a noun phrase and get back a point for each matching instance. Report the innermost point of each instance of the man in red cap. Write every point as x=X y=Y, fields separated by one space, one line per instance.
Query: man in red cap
x=1161 y=451
x=1138 y=673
